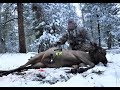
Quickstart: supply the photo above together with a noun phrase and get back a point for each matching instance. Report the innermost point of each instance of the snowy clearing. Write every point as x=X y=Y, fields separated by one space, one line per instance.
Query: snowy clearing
x=53 y=77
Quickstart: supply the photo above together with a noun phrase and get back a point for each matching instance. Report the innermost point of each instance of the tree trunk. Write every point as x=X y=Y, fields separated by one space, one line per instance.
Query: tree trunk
x=2 y=42
x=22 y=45
x=109 y=42
x=82 y=15
x=99 y=37
x=92 y=33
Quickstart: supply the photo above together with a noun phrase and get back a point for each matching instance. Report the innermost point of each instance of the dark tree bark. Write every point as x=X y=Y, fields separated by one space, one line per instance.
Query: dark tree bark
x=119 y=42
x=2 y=42
x=22 y=45
x=92 y=34
x=109 y=41
x=99 y=37
x=83 y=21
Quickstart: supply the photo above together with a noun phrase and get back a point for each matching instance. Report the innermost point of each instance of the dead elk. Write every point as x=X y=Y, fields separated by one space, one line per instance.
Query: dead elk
x=54 y=58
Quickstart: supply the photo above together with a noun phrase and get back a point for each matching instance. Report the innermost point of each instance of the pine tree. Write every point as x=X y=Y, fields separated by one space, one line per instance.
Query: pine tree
x=22 y=45
x=101 y=18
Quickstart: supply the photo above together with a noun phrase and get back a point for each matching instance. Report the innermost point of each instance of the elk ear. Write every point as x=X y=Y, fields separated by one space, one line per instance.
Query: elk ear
x=91 y=43
x=95 y=44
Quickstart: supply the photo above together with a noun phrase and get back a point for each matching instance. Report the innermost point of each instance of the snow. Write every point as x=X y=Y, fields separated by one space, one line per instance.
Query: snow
x=56 y=77
x=49 y=36
x=78 y=11
x=41 y=24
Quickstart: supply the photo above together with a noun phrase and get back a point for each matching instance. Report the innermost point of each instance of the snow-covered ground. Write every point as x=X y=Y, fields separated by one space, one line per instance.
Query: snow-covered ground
x=53 y=77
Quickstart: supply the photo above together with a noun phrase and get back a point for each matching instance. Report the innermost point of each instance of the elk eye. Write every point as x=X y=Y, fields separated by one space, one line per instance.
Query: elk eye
x=51 y=60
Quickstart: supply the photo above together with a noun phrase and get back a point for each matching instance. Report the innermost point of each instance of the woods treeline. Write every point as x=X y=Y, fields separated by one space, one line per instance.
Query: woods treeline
x=26 y=26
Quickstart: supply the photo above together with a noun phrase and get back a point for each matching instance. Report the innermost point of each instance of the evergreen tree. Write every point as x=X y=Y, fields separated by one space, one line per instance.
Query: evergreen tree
x=22 y=45
x=101 y=18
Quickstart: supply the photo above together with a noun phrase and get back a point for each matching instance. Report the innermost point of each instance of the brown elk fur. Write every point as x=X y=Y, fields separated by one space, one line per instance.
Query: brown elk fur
x=66 y=59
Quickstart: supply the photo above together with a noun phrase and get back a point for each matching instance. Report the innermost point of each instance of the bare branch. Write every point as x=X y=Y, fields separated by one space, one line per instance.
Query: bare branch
x=9 y=6
x=9 y=21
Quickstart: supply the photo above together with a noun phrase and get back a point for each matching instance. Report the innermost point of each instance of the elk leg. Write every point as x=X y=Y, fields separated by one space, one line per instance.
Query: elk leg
x=35 y=66
x=19 y=69
x=11 y=71
x=1 y=71
x=78 y=68
x=81 y=69
x=85 y=61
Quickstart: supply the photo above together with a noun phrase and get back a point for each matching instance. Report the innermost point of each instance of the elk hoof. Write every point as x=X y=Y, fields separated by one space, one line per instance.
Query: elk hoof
x=73 y=71
x=80 y=70
x=1 y=75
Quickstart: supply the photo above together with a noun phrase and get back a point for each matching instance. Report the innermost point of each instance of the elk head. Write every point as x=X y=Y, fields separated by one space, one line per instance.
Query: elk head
x=98 y=54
